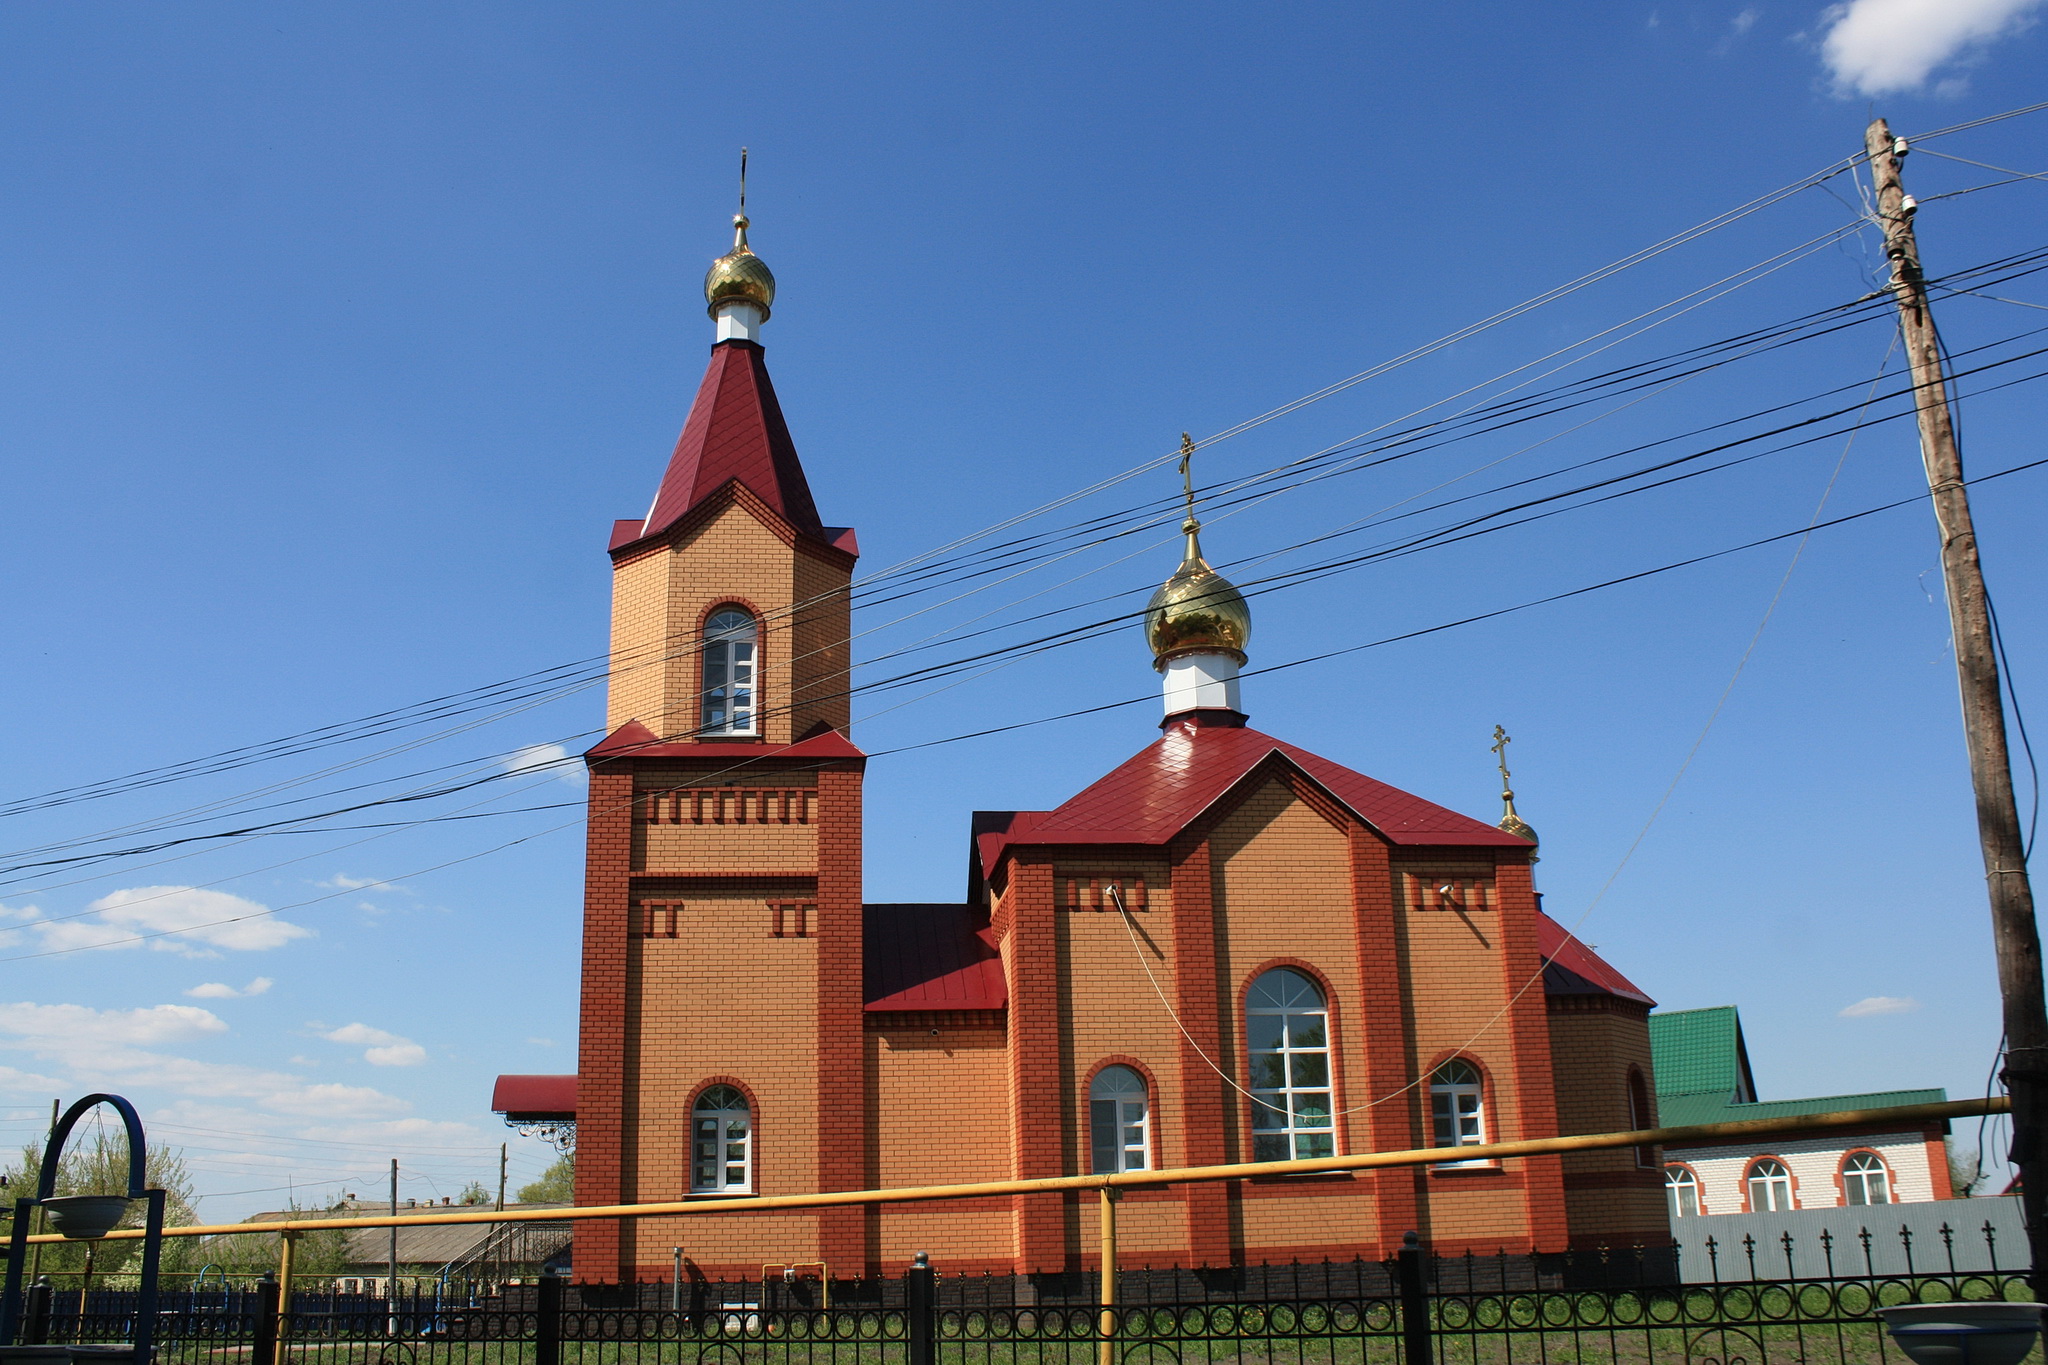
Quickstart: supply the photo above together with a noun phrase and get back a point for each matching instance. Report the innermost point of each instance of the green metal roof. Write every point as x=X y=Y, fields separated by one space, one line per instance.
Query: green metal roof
x=1703 y=1074
x=1677 y=1111
x=1700 y=1052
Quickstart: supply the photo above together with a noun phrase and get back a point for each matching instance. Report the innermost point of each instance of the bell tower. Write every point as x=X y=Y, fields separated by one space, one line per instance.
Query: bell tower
x=722 y=916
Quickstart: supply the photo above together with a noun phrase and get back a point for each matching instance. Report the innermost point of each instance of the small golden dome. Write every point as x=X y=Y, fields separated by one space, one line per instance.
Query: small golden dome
x=739 y=275
x=1196 y=611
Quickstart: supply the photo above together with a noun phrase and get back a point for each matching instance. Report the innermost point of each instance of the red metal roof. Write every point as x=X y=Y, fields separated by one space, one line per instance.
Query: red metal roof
x=1571 y=968
x=535 y=1097
x=930 y=957
x=1158 y=792
x=634 y=740
x=735 y=431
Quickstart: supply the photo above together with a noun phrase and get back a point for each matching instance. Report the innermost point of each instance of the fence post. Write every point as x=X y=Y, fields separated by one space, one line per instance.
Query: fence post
x=547 y=1321
x=263 y=1351
x=1415 y=1335
x=921 y=1312
x=35 y=1328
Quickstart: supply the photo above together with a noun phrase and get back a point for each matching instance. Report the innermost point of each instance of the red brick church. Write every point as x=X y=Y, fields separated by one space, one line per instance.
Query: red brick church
x=1226 y=949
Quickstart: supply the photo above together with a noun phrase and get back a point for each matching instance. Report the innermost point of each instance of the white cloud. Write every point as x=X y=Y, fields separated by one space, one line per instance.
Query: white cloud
x=1877 y=47
x=541 y=758
x=47 y=1027
x=1880 y=1004
x=380 y=1048
x=1745 y=21
x=220 y=990
x=192 y=921
x=341 y=881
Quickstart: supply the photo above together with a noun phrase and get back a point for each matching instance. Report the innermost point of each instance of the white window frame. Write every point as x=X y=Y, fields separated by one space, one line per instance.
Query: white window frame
x=1119 y=1121
x=1457 y=1109
x=1772 y=1177
x=1293 y=1116
x=730 y=673
x=721 y=1142
x=1680 y=1181
x=1859 y=1172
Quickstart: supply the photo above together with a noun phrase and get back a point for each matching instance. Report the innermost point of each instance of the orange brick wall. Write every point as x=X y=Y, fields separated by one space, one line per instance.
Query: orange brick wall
x=1610 y=1197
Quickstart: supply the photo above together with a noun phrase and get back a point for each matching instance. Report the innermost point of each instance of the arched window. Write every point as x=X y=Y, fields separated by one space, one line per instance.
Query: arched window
x=731 y=642
x=1287 y=1040
x=1457 y=1106
x=1119 y=1127
x=1770 y=1186
x=1865 y=1180
x=1639 y=1115
x=721 y=1142
x=1682 y=1187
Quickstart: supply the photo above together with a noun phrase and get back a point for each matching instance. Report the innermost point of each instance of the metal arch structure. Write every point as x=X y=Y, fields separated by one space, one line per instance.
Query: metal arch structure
x=138 y=1188
x=557 y=1133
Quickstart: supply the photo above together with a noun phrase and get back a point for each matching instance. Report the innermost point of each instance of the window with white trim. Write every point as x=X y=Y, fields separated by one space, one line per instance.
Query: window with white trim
x=1682 y=1188
x=1770 y=1186
x=1865 y=1180
x=1119 y=1121
x=721 y=1142
x=1287 y=1040
x=1457 y=1107
x=731 y=645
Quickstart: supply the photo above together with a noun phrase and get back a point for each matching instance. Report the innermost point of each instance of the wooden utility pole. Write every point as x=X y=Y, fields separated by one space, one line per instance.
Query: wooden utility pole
x=2013 y=930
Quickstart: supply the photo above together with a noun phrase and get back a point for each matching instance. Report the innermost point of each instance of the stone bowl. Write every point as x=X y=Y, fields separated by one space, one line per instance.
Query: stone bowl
x=85 y=1217
x=1991 y=1332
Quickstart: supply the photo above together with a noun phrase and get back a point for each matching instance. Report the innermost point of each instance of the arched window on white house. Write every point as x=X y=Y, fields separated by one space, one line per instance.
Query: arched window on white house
x=1770 y=1186
x=731 y=648
x=1457 y=1106
x=1682 y=1187
x=721 y=1142
x=1865 y=1180
x=1287 y=1040
x=1119 y=1121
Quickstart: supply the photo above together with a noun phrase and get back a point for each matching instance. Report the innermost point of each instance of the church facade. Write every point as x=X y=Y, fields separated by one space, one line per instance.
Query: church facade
x=1228 y=949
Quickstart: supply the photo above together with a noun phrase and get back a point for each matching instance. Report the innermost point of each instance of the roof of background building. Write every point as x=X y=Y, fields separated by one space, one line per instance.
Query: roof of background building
x=1703 y=1075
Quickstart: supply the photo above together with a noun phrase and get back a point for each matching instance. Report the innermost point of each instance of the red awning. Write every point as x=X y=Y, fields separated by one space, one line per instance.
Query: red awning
x=534 y=1099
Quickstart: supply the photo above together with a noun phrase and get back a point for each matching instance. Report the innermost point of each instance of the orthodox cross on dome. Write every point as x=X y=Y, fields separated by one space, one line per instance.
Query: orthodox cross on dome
x=1511 y=822
x=1187 y=478
x=743 y=182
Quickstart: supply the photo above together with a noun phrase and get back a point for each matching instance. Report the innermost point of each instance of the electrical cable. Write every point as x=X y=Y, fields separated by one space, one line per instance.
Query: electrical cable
x=1108 y=706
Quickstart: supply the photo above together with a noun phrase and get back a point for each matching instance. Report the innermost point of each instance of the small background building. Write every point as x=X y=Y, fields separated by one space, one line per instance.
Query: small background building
x=1703 y=1076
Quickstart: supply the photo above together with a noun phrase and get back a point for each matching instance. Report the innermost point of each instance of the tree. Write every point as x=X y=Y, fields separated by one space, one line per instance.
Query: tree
x=474 y=1193
x=95 y=1161
x=557 y=1184
x=1965 y=1170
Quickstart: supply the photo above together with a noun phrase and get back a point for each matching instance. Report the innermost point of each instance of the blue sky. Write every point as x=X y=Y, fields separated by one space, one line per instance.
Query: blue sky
x=338 y=335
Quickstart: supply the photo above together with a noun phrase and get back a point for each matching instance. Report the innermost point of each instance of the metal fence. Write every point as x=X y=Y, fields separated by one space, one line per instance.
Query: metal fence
x=1621 y=1307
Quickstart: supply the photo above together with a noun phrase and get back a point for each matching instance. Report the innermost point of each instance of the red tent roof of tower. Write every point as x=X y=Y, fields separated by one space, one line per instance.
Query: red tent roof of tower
x=1159 y=791
x=735 y=431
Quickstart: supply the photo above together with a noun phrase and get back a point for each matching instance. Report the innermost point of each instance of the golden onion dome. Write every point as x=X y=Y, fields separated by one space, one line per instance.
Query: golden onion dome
x=739 y=275
x=1196 y=611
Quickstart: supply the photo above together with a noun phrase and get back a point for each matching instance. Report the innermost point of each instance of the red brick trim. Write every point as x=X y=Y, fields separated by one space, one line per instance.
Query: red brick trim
x=1391 y=1125
x=1151 y=1081
x=888 y=1021
x=1340 y=1126
x=1699 y=1185
x=841 y=1043
x=1742 y=1181
x=602 y=1176
x=1528 y=1030
x=1205 y=1106
x=1937 y=1163
x=1039 y=1135
x=1492 y=1177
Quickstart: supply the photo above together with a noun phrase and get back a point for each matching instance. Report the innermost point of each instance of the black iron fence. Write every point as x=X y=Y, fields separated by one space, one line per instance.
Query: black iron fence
x=1621 y=1307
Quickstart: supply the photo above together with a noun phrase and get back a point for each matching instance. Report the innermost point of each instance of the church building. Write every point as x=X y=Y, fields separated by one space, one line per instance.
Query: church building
x=1227 y=949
